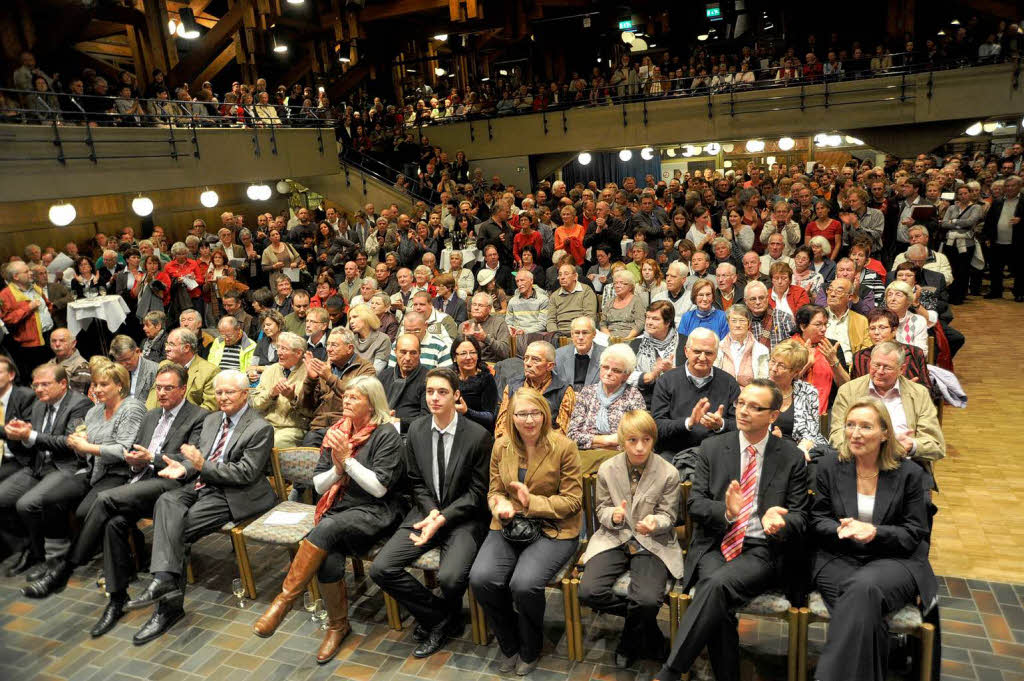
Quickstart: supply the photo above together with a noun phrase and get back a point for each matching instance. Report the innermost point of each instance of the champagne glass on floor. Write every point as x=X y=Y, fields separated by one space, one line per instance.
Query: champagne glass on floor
x=238 y=589
x=309 y=604
x=321 y=614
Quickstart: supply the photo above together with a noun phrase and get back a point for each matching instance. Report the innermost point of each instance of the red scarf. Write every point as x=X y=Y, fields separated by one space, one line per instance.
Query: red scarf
x=337 y=490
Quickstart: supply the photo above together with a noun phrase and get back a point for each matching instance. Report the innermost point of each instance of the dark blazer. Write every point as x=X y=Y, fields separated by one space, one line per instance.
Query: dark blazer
x=502 y=276
x=565 y=364
x=147 y=376
x=455 y=308
x=674 y=399
x=783 y=482
x=70 y=415
x=900 y=516
x=408 y=397
x=58 y=294
x=186 y=427
x=737 y=296
x=239 y=471
x=19 y=407
x=465 y=480
x=992 y=220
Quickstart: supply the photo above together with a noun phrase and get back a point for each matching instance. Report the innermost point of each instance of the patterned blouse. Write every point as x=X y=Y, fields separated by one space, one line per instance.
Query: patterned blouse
x=806 y=421
x=581 y=425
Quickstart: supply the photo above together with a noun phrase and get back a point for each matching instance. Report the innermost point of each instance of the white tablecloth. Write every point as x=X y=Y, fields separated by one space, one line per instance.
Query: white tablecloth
x=81 y=312
x=469 y=256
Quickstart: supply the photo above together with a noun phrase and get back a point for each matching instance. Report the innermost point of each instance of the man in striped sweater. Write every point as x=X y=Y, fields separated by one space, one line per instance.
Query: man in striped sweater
x=528 y=308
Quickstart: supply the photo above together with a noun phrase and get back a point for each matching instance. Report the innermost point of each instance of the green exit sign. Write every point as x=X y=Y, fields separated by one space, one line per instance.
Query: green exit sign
x=625 y=24
x=714 y=12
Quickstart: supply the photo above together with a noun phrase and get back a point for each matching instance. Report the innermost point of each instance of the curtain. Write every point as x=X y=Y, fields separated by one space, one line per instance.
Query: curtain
x=606 y=167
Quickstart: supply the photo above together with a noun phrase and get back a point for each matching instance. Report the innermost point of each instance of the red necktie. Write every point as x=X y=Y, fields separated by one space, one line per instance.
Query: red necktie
x=222 y=440
x=732 y=545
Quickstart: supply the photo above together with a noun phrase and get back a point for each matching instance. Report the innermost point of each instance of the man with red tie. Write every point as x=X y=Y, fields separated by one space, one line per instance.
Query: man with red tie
x=749 y=500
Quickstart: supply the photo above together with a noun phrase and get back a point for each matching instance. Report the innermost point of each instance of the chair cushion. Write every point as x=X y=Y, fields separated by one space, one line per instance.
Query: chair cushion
x=906 y=620
x=621 y=585
x=429 y=561
x=298 y=463
x=281 y=535
x=768 y=603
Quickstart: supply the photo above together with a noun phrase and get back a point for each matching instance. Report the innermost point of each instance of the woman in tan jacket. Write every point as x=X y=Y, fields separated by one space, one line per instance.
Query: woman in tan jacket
x=535 y=478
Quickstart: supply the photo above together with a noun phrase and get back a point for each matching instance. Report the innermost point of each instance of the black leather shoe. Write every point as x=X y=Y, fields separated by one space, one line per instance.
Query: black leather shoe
x=37 y=571
x=156 y=590
x=162 y=620
x=26 y=561
x=456 y=626
x=52 y=581
x=438 y=637
x=420 y=633
x=111 y=614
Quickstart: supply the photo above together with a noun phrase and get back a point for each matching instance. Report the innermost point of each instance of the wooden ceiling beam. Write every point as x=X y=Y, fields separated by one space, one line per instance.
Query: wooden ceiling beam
x=101 y=29
x=397 y=8
x=219 y=63
x=209 y=46
x=120 y=15
x=96 y=47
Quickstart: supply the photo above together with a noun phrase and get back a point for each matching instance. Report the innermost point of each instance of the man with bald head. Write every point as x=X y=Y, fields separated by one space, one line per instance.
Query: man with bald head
x=847 y=327
x=404 y=379
x=489 y=329
x=66 y=354
x=27 y=315
x=539 y=374
x=434 y=350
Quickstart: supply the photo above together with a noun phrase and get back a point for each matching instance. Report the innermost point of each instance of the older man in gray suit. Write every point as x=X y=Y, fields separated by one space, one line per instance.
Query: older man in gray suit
x=577 y=364
x=125 y=352
x=223 y=480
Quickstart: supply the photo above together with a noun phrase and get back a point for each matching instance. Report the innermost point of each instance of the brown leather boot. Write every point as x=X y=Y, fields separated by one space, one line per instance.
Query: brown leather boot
x=336 y=601
x=304 y=566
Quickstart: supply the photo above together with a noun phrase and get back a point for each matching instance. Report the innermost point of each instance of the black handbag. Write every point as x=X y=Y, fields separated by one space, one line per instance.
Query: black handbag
x=521 y=530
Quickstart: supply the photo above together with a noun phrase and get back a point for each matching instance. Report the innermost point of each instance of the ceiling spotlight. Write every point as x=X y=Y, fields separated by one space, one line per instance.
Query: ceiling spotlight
x=584 y=159
x=639 y=45
x=172 y=26
x=702 y=37
x=692 y=150
x=974 y=129
x=598 y=60
x=821 y=139
x=853 y=140
x=209 y=198
x=712 y=149
x=283 y=187
x=485 y=79
x=296 y=2
x=755 y=146
x=62 y=214
x=502 y=72
x=142 y=206
x=628 y=37
x=670 y=152
x=786 y=143
x=991 y=126
x=254 y=192
x=187 y=26
x=728 y=148
x=625 y=155
x=439 y=71
x=647 y=153
x=281 y=47
x=834 y=140
x=441 y=36
x=955 y=22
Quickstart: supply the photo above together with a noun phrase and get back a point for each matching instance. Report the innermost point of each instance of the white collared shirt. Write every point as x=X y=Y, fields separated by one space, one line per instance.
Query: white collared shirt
x=838 y=329
x=754 y=528
x=781 y=303
x=448 y=437
x=893 y=402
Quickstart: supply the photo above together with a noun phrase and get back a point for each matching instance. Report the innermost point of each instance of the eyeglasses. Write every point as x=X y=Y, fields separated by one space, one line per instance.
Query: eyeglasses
x=466 y=354
x=614 y=370
x=528 y=415
x=743 y=404
x=702 y=353
x=224 y=392
x=882 y=368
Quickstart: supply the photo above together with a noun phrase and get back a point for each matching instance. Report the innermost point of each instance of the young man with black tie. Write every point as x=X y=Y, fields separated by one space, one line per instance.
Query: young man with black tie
x=111 y=520
x=448 y=458
x=749 y=501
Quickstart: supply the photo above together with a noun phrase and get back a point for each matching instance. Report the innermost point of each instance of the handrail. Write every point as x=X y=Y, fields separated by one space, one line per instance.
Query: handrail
x=370 y=165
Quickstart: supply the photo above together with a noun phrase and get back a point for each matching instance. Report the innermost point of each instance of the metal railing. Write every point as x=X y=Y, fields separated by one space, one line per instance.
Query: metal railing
x=369 y=164
x=765 y=80
x=71 y=119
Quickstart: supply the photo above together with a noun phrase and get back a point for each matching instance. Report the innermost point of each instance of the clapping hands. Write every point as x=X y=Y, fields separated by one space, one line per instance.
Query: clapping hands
x=856 y=530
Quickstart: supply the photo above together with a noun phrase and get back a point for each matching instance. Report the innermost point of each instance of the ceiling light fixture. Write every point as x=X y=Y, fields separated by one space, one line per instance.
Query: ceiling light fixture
x=786 y=143
x=584 y=158
x=142 y=205
x=209 y=198
x=187 y=26
x=670 y=152
x=712 y=149
x=628 y=37
x=625 y=155
x=991 y=126
x=439 y=71
x=975 y=129
x=502 y=72
x=647 y=153
x=62 y=214
x=441 y=36
x=755 y=146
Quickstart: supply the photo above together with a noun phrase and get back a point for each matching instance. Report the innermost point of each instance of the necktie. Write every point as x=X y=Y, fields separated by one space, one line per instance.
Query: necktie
x=439 y=454
x=218 y=450
x=160 y=434
x=732 y=545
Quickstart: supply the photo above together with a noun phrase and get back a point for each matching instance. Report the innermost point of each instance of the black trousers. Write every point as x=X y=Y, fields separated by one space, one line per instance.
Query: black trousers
x=47 y=504
x=1001 y=255
x=15 y=481
x=710 y=621
x=859 y=594
x=343 y=533
x=314 y=438
x=458 y=547
x=648 y=575
x=180 y=518
x=960 y=263
x=509 y=584
x=111 y=521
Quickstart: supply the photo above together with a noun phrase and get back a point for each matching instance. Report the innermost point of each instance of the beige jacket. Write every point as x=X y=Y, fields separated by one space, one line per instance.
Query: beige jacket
x=278 y=410
x=657 y=494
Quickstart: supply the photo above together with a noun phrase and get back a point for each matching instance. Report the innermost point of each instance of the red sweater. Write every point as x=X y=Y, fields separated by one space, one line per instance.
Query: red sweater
x=533 y=239
x=176 y=271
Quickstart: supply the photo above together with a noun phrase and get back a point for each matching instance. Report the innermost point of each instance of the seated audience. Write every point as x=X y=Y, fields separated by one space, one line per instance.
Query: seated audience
x=912 y=328
x=872 y=546
x=489 y=330
x=704 y=314
x=142 y=371
x=882 y=326
x=447 y=462
x=571 y=300
x=478 y=392
x=539 y=374
x=448 y=301
x=380 y=303
x=577 y=363
x=265 y=353
x=371 y=344
x=800 y=411
x=785 y=295
x=600 y=406
x=695 y=400
x=659 y=349
x=405 y=381
x=154 y=327
x=821 y=251
x=434 y=350
x=845 y=327
x=739 y=353
x=727 y=293
x=826 y=368
x=528 y=308
x=181 y=349
x=193 y=321
x=675 y=290
x=637 y=508
x=769 y=325
x=232 y=349
x=622 y=317
x=775 y=253
x=66 y=354
x=295 y=320
x=277 y=397
x=318 y=321
x=358 y=477
x=535 y=486
x=324 y=384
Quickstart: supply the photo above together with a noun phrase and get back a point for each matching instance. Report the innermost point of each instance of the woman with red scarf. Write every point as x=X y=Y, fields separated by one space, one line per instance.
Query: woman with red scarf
x=361 y=463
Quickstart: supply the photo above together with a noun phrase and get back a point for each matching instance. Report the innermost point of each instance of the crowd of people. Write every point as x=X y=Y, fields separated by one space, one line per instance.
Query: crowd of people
x=462 y=365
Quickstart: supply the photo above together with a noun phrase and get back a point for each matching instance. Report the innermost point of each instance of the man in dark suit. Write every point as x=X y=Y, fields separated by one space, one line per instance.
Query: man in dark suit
x=696 y=400
x=448 y=459
x=47 y=477
x=578 y=364
x=15 y=404
x=112 y=518
x=142 y=371
x=1004 y=235
x=448 y=300
x=405 y=383
x=222 y=480
x=749 y=502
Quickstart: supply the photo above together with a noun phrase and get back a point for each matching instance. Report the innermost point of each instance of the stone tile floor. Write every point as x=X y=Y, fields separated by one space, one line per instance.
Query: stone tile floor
x=982 y=628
